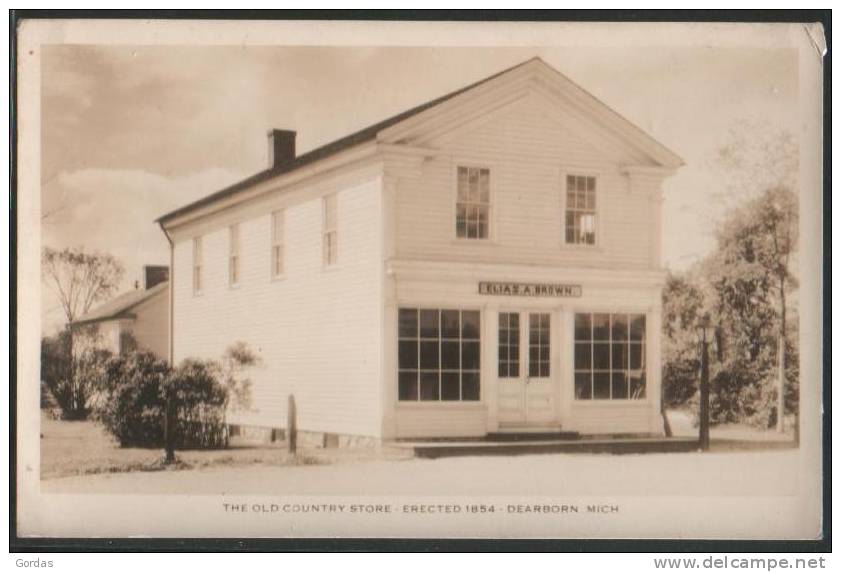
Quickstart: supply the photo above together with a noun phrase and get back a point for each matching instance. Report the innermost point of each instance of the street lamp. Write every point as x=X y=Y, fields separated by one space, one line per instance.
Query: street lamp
x=705 y=333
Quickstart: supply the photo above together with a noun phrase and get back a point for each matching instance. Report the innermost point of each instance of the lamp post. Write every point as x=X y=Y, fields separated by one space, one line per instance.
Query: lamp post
x=705 y=332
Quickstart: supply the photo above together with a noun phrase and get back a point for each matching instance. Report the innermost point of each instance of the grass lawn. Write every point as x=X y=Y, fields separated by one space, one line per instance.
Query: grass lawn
x=73 y=448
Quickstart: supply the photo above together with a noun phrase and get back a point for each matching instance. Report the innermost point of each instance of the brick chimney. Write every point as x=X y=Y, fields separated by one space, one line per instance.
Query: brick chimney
x=154 y=275
x=281 y=147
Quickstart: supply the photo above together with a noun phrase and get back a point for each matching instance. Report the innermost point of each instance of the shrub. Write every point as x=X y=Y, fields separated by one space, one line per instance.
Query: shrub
x=135 y=389
x=132 y=409
x=72 y=362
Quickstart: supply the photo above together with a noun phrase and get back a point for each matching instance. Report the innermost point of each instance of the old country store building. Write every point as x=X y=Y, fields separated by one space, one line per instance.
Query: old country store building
x=486 y=262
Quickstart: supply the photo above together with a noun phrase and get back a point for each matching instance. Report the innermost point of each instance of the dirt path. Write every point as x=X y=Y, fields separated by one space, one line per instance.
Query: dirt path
x=733 y=473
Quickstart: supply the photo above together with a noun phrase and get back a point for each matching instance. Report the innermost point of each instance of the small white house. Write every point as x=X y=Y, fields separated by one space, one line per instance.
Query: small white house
x=139 y=318
x=486 y=262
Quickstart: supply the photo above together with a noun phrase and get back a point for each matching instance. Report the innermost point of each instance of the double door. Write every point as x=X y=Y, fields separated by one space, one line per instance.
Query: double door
x=525 y=381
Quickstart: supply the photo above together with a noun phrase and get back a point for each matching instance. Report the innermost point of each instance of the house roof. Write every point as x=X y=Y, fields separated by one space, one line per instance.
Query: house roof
x=117 y=308
x=362 y=136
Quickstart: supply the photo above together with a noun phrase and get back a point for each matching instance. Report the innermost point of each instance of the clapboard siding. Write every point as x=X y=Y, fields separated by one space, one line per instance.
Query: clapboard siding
x=613 y=418
x=528 y=151
x=440 y=421
x=316 y=329
x=150 y=326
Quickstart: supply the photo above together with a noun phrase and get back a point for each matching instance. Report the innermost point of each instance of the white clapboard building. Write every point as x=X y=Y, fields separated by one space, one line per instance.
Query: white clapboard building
x=486 y=262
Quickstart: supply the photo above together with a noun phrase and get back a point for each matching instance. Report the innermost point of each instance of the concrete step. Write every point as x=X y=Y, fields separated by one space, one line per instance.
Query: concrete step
x=439 y=449
x=508 y=436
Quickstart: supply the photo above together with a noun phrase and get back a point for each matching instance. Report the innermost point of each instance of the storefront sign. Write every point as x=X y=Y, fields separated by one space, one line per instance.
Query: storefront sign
x=525 y=289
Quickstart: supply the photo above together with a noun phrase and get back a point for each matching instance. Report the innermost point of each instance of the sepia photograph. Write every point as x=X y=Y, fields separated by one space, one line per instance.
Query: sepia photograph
x=420 y=279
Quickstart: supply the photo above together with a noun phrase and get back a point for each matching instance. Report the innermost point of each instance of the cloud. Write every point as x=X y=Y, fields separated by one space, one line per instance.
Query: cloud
x=114 y=211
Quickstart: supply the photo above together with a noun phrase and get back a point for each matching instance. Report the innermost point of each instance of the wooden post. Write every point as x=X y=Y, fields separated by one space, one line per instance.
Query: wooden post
x=704 y=436
x=292 y=425
x=170 y=420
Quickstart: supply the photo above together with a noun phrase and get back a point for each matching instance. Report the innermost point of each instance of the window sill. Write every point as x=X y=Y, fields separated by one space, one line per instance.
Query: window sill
x=198 y=294
x=236 y=286
x=611 y=402
x=331 y=268
x=475 y=241
x=583 y=247
x=278 y=278
x=423 y=405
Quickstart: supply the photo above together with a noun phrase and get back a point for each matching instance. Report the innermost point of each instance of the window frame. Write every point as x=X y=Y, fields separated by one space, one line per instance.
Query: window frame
x=465 y=162
x=234 y=255
x=277 y=271
x=440 y=403
x=198 y=265
x=326 y=232
x=572 y=171
x=646 y=342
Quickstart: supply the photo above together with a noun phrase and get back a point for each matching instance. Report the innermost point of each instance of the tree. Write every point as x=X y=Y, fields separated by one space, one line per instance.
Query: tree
x=761 y=164
x=751 y=277
x=682 y=304
x=79 y=280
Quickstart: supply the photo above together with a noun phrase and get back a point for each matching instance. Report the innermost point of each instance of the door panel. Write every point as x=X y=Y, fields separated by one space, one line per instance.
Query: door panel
x=511 y=397
x=539 y=388
x=524 y=362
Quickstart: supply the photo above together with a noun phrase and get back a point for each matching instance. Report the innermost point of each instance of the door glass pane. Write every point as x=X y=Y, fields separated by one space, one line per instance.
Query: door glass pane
x=539 y=345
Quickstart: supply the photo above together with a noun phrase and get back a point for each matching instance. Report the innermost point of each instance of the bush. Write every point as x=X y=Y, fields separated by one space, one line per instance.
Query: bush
x=135 y=389
x=72 y=363
x=132 y=409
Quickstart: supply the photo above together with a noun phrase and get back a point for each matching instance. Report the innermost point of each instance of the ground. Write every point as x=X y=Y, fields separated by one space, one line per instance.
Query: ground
x=742 y=462
x=75 y=448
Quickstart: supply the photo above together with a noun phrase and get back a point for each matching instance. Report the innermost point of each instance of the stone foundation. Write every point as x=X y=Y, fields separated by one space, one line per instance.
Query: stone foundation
x=306 y=439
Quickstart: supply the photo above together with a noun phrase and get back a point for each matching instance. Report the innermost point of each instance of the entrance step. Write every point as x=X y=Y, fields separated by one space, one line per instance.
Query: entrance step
x=512 y=436
x=462 y=448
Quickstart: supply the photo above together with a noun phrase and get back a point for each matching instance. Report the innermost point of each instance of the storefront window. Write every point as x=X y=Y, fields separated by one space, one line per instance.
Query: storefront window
x=609 y=356
x=438 y=355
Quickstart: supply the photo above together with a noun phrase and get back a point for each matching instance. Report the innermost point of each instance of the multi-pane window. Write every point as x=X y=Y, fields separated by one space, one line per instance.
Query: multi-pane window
x=233 y=255
x=509 y=344
x=277 y=243
x=473 y=202
x=609 y=356
x=197 y=265
x=438 y=355
x=329 y=231
x=539 y=345
x=580 y=210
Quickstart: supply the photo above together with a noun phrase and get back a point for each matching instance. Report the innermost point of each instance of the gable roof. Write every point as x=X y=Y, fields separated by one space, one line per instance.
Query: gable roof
x=117 y=308
x=371 y=132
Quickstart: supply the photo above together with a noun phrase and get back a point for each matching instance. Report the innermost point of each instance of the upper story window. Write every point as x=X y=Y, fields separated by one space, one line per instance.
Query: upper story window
x=329 y=231
x=473 y=202
x=580 y=209
x=197 y=265
x=233 y=255
x=277 y=243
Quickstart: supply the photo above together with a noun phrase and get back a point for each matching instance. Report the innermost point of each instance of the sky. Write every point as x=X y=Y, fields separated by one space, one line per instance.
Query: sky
x=130 y=133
